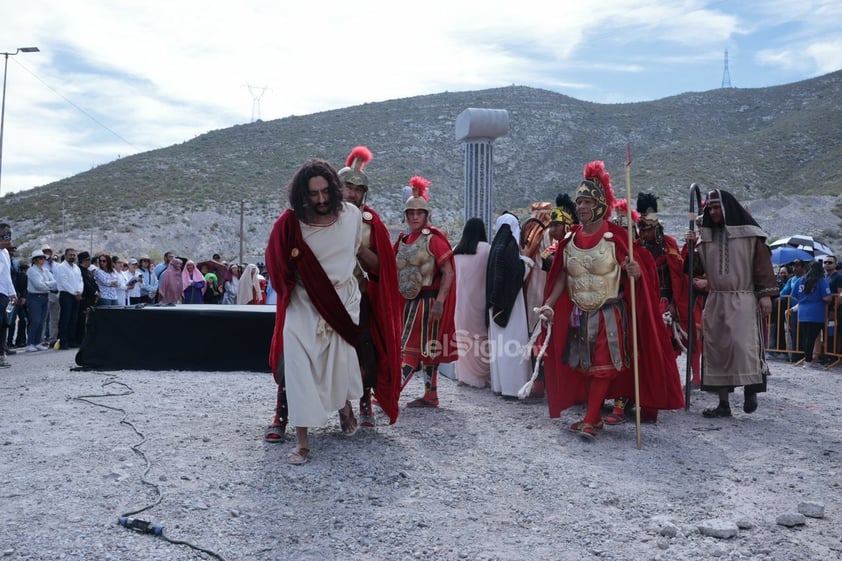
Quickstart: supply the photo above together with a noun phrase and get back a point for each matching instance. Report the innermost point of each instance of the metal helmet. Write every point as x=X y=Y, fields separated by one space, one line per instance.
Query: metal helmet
x=597 y=186
x=420 y=199
x=621 y=214
x=353 y=171
x=564 y=211
x=647 y=206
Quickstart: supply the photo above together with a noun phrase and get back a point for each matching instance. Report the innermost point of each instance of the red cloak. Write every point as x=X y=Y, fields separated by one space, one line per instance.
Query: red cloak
x=386 y=306
x=659 y=381
x=287 y=255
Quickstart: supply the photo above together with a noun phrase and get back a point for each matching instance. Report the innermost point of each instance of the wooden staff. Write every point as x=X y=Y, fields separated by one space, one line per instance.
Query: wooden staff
x=695 y=197
x=633 y=298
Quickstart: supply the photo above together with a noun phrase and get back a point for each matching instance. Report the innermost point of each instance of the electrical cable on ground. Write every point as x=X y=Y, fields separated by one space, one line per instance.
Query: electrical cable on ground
x=125 y=518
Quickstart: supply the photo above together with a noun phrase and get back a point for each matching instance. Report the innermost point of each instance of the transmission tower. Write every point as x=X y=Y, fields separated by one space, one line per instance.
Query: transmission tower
x=726 y=76
x=256 y=93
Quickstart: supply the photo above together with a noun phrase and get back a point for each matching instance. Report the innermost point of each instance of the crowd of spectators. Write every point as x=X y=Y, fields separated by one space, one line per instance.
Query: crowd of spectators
x=804 y=320
x=54 y=291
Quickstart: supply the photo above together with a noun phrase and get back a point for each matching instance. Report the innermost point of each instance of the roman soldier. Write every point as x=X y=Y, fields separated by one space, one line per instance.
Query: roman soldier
x=621 y=216
x=589 y=356
x=426 y=275
x=379 y=349
x=673 y=282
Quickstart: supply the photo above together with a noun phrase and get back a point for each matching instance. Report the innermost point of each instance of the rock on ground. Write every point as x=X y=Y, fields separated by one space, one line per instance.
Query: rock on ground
x=478 y=479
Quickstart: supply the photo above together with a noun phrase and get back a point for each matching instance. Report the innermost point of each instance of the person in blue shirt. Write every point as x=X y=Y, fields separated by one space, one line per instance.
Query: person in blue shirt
x=799 y=268
x=812 y=293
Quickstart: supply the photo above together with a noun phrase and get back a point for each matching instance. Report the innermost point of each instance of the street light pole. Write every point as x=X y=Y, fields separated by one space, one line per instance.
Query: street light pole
x=3 y=103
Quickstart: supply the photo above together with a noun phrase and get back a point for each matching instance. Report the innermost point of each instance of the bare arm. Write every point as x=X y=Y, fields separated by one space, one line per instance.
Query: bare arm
x=368 y=259
x=444 y=290
x=548 y=309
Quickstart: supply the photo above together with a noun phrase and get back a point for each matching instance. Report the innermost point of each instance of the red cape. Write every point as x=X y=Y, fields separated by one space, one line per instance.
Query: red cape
x=660 y=383
x=287 y=255
x=447 y=325
x=674 y=258
x=681 y=285
x=283 y=282
x=387 y=308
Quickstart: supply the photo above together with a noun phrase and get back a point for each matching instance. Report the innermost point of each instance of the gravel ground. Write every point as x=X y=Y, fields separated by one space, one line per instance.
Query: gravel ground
x=479 y=479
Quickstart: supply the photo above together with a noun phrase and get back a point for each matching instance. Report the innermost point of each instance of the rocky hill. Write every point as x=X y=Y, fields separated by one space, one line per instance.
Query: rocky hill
x=778 y=149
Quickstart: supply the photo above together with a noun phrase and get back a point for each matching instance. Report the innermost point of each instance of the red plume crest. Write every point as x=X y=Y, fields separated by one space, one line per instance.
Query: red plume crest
x=359 y=153
x=419 y=187
x=622 y=207
x=595 y=171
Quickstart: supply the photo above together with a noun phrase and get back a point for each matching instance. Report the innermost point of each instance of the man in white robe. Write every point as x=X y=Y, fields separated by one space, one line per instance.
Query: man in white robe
x=310 y=258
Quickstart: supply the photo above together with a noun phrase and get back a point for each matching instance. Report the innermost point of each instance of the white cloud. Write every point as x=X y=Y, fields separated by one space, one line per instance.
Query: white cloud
x=131 y=76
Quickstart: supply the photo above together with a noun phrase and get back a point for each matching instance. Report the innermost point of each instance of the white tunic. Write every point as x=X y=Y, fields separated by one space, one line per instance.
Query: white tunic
x=321 y=369
x=509 y=370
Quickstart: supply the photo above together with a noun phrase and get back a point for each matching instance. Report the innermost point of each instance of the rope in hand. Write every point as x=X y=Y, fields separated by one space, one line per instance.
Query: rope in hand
x=524 y=392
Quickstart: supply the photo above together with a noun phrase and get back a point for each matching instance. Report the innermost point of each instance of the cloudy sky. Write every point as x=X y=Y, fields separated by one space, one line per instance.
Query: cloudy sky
x=118 y=77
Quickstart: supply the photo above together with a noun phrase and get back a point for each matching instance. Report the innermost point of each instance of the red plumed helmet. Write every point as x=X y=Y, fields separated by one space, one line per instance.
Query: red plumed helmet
x=353 y=171
x=420 y=198
x=419 y=187
x=597 y=185
x=621 y=209
x=358 y=157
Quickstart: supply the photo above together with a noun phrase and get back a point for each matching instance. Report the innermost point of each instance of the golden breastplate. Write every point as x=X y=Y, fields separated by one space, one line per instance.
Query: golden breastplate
x=416 y=265
x=593 y=275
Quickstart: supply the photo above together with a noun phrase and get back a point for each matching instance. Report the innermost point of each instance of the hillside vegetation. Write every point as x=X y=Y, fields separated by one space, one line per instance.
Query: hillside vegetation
x=777 y=149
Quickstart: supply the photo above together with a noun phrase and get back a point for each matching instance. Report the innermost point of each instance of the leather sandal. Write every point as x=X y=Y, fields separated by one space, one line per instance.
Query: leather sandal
x=578 y=426
x=367 y=419
x=275 y=433
x=421 y=402
x=614 y=418
x=298 y=456
x=348 y=423
x=588 y=432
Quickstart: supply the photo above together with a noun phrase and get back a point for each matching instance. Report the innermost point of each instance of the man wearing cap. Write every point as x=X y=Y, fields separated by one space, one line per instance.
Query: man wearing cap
x=70 y=286
x=740 y=283
x=590 y=356
x=53 y=306
x=426 y=276
x=7 y=288
x=40 y=283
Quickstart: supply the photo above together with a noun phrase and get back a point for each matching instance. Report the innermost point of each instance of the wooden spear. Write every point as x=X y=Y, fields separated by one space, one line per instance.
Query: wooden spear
x=633 y=298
